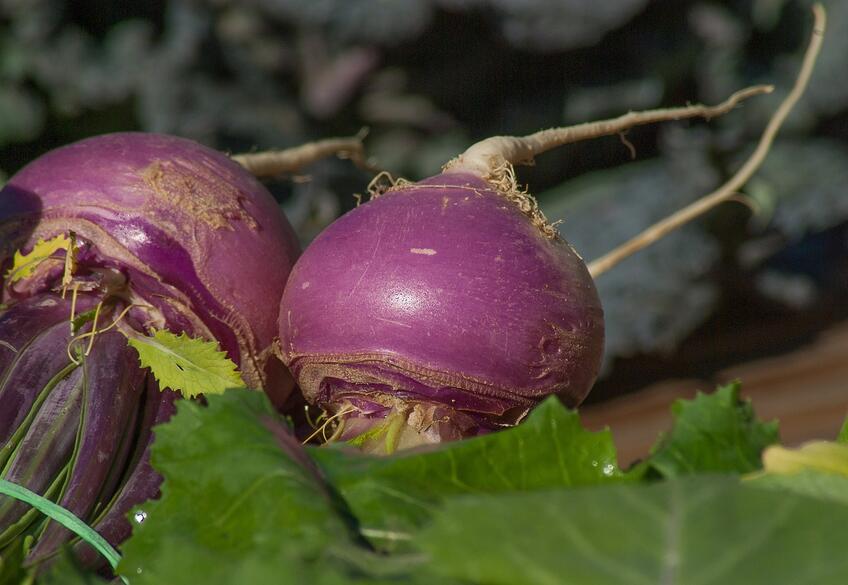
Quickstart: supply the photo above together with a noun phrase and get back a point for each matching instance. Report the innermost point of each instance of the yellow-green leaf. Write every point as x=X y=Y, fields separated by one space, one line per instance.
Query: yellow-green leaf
x=24 y=265
x=186 y=364
x=824 y=456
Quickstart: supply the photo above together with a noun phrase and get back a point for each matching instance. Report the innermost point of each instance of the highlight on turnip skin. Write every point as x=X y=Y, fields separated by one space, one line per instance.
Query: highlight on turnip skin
x=124 y=233
x=449 y=307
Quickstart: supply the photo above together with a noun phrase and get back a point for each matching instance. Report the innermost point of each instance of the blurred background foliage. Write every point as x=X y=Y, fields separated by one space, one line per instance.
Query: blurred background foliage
x=429 y=77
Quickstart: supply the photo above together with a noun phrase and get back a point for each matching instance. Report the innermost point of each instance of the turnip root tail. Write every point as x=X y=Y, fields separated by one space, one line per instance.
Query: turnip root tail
x=493 y=158
x=488 y=156
x=728 y=190
x=273 y=163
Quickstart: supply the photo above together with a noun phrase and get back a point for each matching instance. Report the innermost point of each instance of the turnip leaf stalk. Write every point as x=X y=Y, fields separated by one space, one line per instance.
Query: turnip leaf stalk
x=452 y=304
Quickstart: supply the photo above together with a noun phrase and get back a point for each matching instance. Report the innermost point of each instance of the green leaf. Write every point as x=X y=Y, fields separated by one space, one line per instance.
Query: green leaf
x=241 y=503
x=824 y=486
x=705 y=531
x=24 y=265
x=393 y=495
x=189 y=365
x=715 y=432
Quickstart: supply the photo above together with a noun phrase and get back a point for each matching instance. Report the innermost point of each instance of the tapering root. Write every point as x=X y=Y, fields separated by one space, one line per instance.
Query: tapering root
x=730 y=189
x=493 y=158
x=492 y=153
x=273 y=163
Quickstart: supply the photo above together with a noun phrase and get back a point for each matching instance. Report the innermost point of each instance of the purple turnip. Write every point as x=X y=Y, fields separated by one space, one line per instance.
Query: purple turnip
x=159 y=233
x=166 y=223
x=442 y=309
x=450 y=307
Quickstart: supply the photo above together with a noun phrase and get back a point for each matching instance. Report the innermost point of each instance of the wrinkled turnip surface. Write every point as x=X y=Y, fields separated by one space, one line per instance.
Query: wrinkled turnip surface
x=182 y=236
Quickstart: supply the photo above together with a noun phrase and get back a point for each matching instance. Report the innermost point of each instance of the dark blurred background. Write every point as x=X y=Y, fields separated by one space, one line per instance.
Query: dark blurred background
x=429 y=77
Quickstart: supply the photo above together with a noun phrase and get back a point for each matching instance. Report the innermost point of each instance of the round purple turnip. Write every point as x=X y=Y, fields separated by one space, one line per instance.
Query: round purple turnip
x=166 y=234
x=449 y=307
x=197 y=238
x=442 y=308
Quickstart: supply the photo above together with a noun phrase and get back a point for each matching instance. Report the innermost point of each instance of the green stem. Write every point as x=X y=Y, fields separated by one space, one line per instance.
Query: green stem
x=65 y=518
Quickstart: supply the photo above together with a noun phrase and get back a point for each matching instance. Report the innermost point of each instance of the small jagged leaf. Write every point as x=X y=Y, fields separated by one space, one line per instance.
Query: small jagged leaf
x=712 y=433
x=186 y=364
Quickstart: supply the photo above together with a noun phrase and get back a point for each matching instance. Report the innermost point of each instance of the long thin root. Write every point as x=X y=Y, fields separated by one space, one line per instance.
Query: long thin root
x=273 y=163
x=487 y=155
x=730 y=189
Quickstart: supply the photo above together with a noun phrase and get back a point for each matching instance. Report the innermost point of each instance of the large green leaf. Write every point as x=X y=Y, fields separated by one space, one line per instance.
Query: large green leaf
x=240 y=504
x=392 y=495
x=243 y=503
x=824 y=486
x=715 y=432
x=694 y=531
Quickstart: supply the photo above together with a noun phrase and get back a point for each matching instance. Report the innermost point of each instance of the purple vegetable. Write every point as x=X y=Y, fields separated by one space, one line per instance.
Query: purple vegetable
x=113 y=389
x=38 y=330
x=195 y=236
x=40 y=460
x=450 y=307
x=440 y=310
x=168 y=234
x=141 y=485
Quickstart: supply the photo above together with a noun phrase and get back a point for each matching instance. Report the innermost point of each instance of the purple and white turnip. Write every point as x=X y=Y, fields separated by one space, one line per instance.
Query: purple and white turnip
x=164 y=234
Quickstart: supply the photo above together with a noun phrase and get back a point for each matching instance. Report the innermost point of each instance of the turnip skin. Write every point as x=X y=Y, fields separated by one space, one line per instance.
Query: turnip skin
x=181 y=220
x=441 y=300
